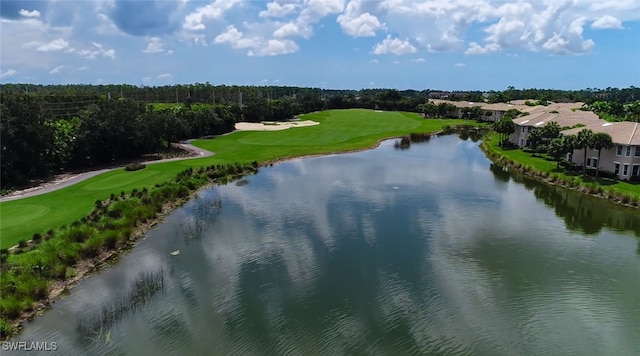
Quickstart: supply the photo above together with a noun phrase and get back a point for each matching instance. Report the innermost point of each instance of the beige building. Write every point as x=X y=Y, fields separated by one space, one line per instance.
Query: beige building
x=491 y=112
x=623 y=160
x=540 y=116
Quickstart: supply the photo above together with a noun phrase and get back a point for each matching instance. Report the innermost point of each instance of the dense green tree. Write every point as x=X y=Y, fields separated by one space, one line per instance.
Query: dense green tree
x=556 y=149
x=551 y=130
x=534 y=139
x=504 y=127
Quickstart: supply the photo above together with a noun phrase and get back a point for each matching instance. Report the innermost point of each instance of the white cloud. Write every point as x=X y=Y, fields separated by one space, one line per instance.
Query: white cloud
x=215 y=10
x=235 y=38
x=55 y=45
x=317 y=9
x=364 y=25
x=96 y=50
x=8 y=73
x=256 y=46
x=292 y=29
x=475 y=48
x=83 y=68
x=357 y=22
x=165 y=76
x=459 y=65
x=274 y=47
x=275 y=9
x=26 y=13
x=155 y=45
x=607 y=22
x=418 y=60
x=374 y=61
x=394 y=46
x=56 y=70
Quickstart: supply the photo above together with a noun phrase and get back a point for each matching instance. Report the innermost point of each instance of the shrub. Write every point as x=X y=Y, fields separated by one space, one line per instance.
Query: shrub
x=134 y=167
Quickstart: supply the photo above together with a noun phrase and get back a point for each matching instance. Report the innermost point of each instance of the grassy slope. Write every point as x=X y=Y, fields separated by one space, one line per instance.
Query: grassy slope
x=339 y=130
x=544 y=165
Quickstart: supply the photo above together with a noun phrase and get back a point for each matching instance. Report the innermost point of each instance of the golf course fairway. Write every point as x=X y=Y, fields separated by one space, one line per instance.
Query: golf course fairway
x=338 y=131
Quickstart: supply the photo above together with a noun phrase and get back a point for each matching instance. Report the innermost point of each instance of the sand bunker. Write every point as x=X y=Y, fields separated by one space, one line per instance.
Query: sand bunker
x=272 y=125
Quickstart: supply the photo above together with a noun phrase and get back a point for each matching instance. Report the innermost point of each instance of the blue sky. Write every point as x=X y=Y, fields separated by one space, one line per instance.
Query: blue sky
x=334 y=44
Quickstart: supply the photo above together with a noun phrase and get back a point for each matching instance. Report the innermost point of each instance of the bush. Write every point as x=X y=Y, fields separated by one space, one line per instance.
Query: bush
x=135 y=167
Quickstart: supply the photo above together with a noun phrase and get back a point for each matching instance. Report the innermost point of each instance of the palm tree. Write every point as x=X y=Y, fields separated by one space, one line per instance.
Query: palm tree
x=583 y=141
x=551 y=130
x=599 y=141
x=535 y=137
x=556 y=149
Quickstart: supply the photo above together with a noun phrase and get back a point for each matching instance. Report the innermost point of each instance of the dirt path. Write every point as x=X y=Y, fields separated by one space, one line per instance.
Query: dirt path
x=71 y=179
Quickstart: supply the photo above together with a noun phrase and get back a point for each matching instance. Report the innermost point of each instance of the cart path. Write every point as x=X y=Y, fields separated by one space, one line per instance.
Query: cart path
x=76 y=178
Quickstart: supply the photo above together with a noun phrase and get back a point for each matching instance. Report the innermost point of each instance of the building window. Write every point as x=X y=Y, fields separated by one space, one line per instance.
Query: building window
x=628 y=151
x=637 y=151
x=588 y=162
x=594 y=161
x=619 y=152
x=635 y=172
x=616 y=169
x=523 y=129
x=625 y=171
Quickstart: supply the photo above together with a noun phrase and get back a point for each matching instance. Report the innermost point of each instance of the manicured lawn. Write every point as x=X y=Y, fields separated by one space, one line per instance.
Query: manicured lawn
x=540 y=163
x=339 y=130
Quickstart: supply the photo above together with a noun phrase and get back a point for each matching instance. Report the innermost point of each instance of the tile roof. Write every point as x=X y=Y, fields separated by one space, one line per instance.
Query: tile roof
x=625 y=133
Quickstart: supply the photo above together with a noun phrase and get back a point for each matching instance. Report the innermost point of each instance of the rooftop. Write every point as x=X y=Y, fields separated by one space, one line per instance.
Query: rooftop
x=625 y=133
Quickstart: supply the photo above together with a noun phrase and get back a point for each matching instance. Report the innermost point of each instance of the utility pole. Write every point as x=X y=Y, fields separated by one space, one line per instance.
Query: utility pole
x=177 y=95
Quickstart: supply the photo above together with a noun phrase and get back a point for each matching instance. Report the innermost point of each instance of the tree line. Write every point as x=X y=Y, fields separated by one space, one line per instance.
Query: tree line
x=49 y=128
x=35 y=142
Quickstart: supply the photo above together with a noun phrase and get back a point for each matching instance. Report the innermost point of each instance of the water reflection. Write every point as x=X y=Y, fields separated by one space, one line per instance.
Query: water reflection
x=429 y=250
x=580 y=212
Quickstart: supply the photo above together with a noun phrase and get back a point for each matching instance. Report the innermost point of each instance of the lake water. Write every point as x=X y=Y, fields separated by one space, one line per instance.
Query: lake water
x=427 y=250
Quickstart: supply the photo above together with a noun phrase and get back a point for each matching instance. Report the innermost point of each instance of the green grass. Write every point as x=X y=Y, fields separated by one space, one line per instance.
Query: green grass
x=541 y=163
x=339 y=130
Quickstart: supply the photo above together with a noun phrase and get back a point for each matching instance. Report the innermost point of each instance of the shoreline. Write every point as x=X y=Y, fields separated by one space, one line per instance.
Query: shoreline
x=554 y=180
x=87 y=267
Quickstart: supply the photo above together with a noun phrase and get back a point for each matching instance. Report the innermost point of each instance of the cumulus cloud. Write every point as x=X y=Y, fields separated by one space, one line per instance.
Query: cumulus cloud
x=95 y=51
x=475 y=48
x=275 y=9
x=8 y=73
x=55 y=45
x=27 y=13
x=607 y=22
x=274 y=47
x=292 y=29
x=155 y=45
x=195 y=20
x=357 y=22
x=394 y=46
x=255 y=45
